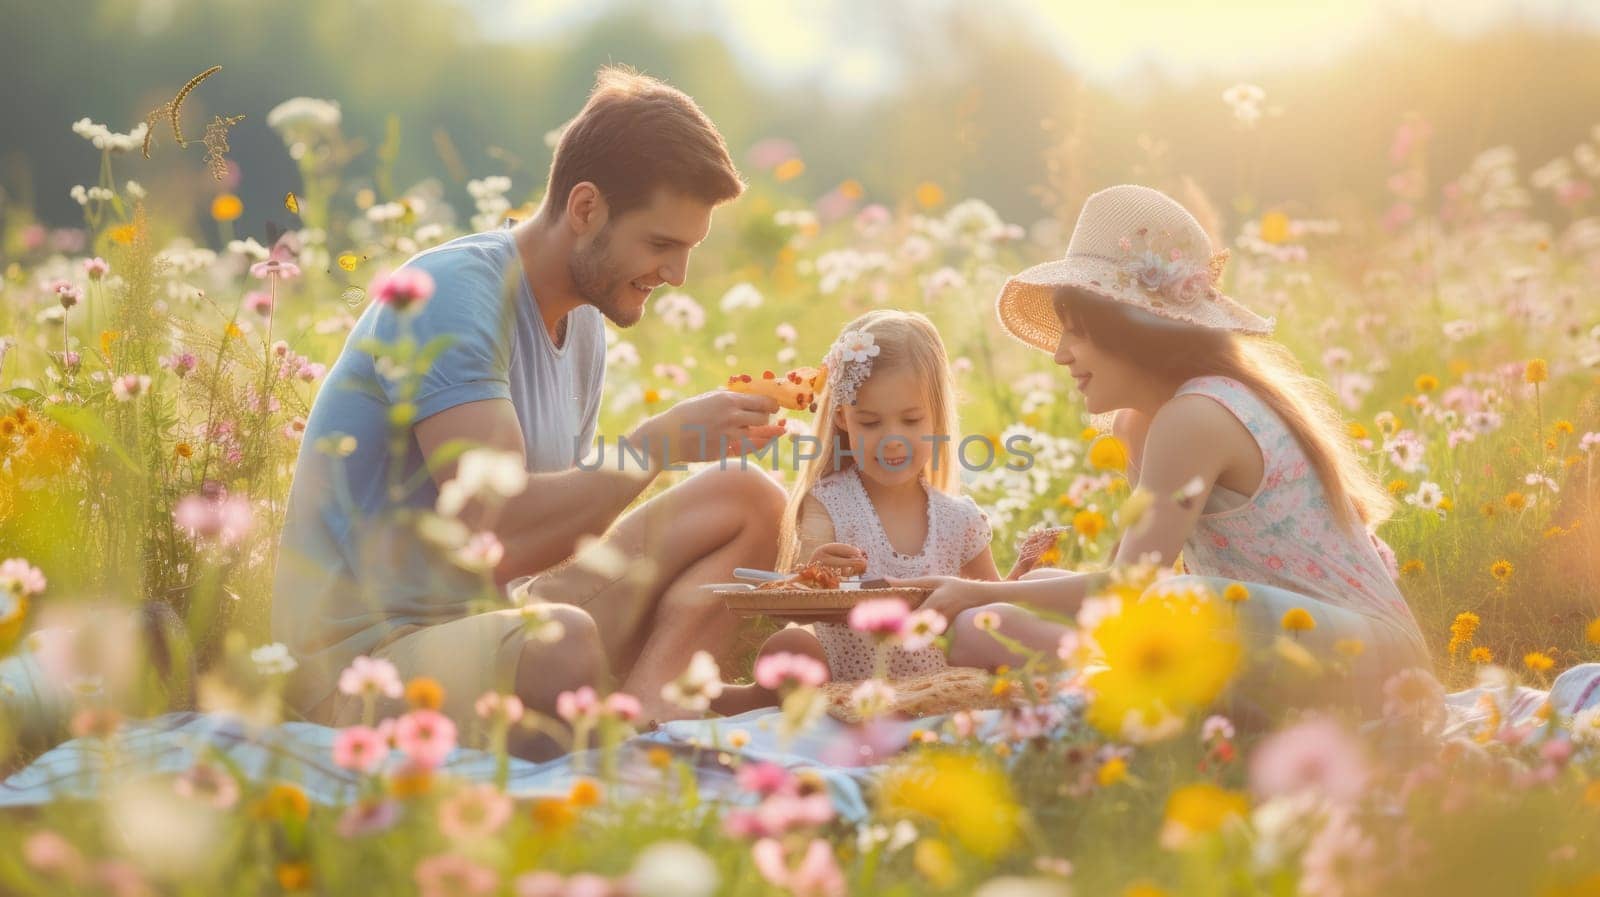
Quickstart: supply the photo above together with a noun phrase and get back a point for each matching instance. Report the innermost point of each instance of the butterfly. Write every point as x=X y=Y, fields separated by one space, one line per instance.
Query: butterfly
x=291 y=202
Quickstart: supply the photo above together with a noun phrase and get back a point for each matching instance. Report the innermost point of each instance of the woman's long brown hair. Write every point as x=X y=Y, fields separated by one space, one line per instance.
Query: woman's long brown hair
x=1304 y=403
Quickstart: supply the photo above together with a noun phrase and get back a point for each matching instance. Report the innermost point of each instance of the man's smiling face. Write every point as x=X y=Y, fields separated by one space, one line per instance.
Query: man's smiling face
x=629 y=256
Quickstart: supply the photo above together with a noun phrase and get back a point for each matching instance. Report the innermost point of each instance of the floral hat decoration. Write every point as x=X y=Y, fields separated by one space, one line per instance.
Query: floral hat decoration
x=849 y=364
x=1136 y=246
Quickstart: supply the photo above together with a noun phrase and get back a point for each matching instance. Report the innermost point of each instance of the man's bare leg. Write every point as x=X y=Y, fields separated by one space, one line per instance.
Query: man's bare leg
x=654 y=614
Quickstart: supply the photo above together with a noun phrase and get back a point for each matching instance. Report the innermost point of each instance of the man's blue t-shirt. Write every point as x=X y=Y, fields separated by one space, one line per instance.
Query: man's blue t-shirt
x=349 y=572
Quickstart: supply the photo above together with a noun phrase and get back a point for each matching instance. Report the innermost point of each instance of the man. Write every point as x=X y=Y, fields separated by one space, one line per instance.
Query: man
x=631 y=192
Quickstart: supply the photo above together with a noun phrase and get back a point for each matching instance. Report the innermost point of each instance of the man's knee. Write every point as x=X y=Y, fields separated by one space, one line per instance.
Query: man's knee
x=578 y=658
x=746 y=487
x=793 y=640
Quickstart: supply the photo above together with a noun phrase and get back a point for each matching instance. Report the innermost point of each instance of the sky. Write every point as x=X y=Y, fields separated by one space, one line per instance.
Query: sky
x=845 y=45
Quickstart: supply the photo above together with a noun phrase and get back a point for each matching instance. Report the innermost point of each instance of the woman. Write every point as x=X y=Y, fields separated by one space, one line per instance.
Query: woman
x=1253 y=475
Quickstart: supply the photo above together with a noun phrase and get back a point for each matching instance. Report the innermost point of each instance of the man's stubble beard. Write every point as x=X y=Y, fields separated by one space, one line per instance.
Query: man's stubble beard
x=598 y=283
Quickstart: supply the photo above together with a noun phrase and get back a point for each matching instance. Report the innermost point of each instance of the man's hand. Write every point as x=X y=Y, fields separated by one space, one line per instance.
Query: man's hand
x=711 y=426
x=951 y=594
x=848 y=559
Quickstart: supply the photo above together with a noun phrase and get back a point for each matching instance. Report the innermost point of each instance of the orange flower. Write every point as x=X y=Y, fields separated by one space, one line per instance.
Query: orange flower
x=553 y=815
x=851 y=189
x=1538 y=661
x=1481 y=654
x=226 y=207
x=294 y=876
x=284 y=801
x=123 y=235
x=1537 y=371
x=1427 y=383
x=1298 y=619
x=929 y=194
x=585 y=793
x=425 y=693
x=789 y=169
x=1275 y=228
x=1502 y=570
x=1593 y=632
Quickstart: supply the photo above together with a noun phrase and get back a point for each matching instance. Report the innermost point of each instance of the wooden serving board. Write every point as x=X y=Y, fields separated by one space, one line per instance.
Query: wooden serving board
x=811 y=605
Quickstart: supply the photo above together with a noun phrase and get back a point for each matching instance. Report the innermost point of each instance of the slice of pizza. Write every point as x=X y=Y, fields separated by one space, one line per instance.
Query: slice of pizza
x=796 y=390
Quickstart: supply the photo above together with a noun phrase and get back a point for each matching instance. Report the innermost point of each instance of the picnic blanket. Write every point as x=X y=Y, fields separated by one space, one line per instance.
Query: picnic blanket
x=844 y=756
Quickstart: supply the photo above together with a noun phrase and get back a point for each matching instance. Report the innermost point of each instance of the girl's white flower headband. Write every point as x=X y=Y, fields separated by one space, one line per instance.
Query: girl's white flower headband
x=849 y=364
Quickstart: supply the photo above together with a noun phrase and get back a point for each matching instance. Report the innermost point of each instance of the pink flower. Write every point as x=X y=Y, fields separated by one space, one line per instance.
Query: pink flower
x=1341 y=861
x=52 y=854
x=783 y=669
x=21 y=578
x=224 y=520
x=482 y=552
x=921 y=628
x=68 y=294
x=624 y=707
x=539 y=884
x=368 y=817
x=128 y=387
x=494 y=706
x=208 y=784
x=1415 y=694
x=181 y=363
x=360 y=748
x=817 y=874
x=475 y=812
x=764 y=779
x=1216 y=728
x=259 y=302
x=366 y=676
x=426 y=737
x=275 y=267
x=405 y=289
x=96 y=267
x=582 y=704
x=881 y=617
x=453 y=875
x=1316 y=755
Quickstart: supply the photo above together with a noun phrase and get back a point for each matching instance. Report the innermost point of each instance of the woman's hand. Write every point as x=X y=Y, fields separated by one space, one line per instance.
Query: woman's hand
x=951 y=594
x=848 y=559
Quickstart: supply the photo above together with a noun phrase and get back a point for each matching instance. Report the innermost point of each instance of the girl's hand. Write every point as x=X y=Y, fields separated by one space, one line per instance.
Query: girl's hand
x=951 y=594
x=848 y=559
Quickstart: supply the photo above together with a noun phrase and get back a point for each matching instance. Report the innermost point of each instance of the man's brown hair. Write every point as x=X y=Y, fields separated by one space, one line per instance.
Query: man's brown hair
x=636 y=134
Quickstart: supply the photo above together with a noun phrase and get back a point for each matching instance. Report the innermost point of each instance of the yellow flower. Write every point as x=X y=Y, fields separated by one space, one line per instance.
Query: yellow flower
x=1200 y=809
x=1593 y=632
x=1298 y=619
x=659 y=757
x=1411 y=567
x=1065 y=500
x=1397 y=486
x=1164 y=658
x=124 y=234
x=1502 y=570
x=1537 y=371
x=1357 y=431
x=1144 y=888
x=1111 y=772
x=284 y=801
x=1563 y=426
x=1481 y=654
x=294 y=876
x=1236 y=593
x=970 y=798
x=1487 y=509
x=425 y=693
x=1538 y=661
x=1089 y=524
x=183 y=450
x=929 y=194
x=1591 y=794
x=789 y=169
x=932 y=860
x=226 y=207
x=232 y=331
x=107 y=337
x=1466 y=623
x=1108 y=453
x=1350 y=647
x=851 y=189
x=1427 y=383
x=1275 y=227
x=1554 y=532
x=1088 y=434
x=651 y=397
x=1445 y=504
x=408 y=782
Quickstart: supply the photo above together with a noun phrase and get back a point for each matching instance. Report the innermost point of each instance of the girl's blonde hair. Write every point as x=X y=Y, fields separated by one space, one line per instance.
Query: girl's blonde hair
x=905 y=339
x=1304 y=403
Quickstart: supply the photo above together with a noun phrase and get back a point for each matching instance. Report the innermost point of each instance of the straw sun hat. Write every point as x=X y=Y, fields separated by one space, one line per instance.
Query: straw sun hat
x=1136 y=246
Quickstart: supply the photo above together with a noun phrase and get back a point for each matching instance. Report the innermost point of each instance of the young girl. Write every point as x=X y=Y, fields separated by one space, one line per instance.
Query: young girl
x=881 y=497
x=1285 y=506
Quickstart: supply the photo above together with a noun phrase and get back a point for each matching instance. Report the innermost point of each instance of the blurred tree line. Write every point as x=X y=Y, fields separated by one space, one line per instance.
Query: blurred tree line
x=984 y=109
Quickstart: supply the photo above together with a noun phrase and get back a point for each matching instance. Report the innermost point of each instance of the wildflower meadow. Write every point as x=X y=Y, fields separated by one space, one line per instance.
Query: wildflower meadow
x=157 y=366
